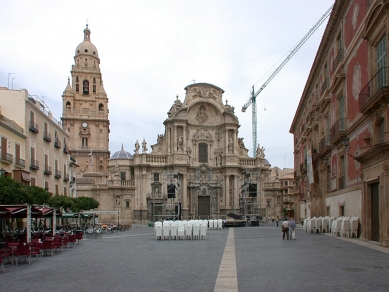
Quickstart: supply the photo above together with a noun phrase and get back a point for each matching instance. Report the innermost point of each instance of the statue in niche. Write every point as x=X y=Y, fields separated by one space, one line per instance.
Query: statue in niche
x=230 y=146
x=180 y=143
x=137 y=146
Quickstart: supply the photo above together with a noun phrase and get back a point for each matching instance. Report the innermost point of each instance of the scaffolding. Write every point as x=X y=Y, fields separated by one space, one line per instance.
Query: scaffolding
x=248 y=199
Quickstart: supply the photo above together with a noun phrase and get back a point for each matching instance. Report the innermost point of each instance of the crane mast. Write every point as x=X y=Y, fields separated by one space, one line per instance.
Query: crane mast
x=254 y=94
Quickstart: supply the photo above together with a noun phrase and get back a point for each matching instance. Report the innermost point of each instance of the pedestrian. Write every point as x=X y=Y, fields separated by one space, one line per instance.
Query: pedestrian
x=277 y=221
x=292 y=227
x=285 y=229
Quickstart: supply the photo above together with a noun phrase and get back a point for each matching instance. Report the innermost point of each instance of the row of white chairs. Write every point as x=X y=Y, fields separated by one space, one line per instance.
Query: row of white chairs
x=185 y=229
x=342 y=226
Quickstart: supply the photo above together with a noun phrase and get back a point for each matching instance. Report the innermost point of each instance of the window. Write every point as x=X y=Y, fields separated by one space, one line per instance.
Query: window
x=77 y=88
x=68 y=105
x=76 y=78
x=156 y=176
x=341 y=210
x=101 y=107
x=84 y=142
x=33 y=181
x=65 y=191
x=94 y=88
x=381 y=131
x=123 y=176
x=32 y=117
x=85 y=87
x=203 y=152
x=47 y=186
x=127 y=204
x=56 y=190
x=268 y=203
x=94 y=80
x=381 y=63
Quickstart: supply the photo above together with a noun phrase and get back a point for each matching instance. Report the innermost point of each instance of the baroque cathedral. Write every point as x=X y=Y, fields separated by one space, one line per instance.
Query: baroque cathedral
x=198 y=168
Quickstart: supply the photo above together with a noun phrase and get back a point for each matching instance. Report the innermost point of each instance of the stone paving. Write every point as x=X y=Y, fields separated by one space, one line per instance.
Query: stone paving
x=134 y=261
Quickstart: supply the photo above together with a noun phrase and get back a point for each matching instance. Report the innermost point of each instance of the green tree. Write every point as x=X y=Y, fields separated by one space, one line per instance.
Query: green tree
x=85 y=203
x=64 y=202
x=39 y=195
x=12 y=192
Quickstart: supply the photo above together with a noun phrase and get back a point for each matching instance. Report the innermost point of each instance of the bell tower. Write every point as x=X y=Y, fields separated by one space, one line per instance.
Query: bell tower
x=85 y=110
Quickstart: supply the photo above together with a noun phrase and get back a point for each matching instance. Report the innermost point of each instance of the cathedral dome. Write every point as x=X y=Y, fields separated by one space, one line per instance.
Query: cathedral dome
x=122 y=154
x=86 y=47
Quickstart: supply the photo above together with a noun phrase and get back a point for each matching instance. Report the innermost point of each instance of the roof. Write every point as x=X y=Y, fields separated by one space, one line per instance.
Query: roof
x=122 y=154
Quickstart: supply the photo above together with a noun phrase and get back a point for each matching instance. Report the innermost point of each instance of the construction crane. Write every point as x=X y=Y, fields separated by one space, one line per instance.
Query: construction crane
x=254 y=93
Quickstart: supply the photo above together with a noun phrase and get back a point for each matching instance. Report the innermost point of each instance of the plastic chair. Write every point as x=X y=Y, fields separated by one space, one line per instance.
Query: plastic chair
x=354 y=227
x=196 y=231
x=166 y=230
x=48 y=245
x=345 y=230
x=219 y=224
x=158 y=231
x=188 y=231
x=173 y=230
x=23 y=250
x=203 y=231
x=324 y=226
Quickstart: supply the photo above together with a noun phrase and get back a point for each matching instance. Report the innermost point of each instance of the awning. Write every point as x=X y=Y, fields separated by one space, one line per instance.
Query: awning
x=20 y=211
x=69 y=215
x=26 y=176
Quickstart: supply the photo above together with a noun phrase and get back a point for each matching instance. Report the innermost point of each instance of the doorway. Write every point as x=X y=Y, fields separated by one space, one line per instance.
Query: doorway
x=375 y=212
x=204 y=207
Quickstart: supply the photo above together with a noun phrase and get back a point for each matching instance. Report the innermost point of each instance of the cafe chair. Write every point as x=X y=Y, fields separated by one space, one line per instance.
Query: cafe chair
x=23 y=250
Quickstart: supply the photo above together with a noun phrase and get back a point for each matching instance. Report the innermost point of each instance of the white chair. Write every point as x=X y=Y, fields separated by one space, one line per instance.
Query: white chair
x=336 y=224
x=180 y=230
x=196 y=231
x=173 y=230
x=166 y=230
x=188 y=231
x=210 y=223
x=219 y=224
x=158 y=230
x=205 y=222
x=324 y=225
x=345 y=230
x=318 y=225
x=354 y=227
x=203 y=231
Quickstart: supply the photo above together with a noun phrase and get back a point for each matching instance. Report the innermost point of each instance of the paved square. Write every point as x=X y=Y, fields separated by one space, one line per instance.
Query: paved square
x=134 y=261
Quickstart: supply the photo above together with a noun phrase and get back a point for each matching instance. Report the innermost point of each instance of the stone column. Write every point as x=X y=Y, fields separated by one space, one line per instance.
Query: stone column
x=236 y=192
x=184 y=202
x=227 y=190
x=174 y=139
x=384 y=206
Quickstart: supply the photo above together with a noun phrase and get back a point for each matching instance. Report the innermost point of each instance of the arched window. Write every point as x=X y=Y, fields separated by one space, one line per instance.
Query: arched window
x=203 y=152
x=85 y=87
x=68 y=105
x=84 y=142
x=77 y=87
x=76 y=78
x=94 y=88
x=101 y=107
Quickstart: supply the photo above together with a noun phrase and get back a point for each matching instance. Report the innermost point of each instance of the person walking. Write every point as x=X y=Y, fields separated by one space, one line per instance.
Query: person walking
x=285 y=229
x=292 y=227
x=277 y=221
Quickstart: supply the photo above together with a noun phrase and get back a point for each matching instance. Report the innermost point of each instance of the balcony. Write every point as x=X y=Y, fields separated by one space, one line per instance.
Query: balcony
x=34 y=164
x=20 y=163
x=57 y=174
x=338 y=130
x=47 y=170
x=324 y=144
x=66 y=149
x=338 y=59
x=46 y=136
x=34 y=127
x=57 y=144
x=325 y=85
x=66 y=177
x=375 y=94
x=7 y=158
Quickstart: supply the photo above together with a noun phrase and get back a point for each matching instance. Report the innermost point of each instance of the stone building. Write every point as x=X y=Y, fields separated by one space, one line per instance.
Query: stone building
x=199 y=167
x=341 y=125
x=39 y=154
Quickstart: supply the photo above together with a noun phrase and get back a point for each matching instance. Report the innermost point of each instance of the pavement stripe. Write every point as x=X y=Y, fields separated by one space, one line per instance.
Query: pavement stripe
x=227 y=278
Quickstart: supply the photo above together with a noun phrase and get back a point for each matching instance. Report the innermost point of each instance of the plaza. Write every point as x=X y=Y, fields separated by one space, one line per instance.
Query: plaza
x=233 y=259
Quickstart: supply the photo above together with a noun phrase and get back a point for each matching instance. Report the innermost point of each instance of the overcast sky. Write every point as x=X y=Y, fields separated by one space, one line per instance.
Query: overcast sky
x=151 y=50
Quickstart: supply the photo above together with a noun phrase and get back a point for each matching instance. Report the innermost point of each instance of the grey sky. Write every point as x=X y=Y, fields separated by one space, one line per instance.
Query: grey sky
x=151 y=50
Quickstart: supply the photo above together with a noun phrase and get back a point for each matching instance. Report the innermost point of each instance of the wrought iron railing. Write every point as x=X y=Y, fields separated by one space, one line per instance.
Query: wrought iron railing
x=378 y=82
x=338 y=128
x=325 y=85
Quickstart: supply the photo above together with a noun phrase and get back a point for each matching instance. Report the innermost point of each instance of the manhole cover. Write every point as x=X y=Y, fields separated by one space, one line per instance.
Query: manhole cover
x=353 y=270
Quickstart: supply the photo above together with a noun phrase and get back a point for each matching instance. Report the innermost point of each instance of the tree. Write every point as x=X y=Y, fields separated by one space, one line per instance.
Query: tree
x=39 y=195
x=13 y=193
x=62 y=202
x=85 y=203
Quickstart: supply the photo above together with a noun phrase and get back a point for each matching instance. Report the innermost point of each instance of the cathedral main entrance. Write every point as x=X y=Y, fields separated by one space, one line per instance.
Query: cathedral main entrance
x=204 y=210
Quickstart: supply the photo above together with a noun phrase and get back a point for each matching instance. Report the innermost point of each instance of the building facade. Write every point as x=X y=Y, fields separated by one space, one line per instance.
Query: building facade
x=44 y=155
x=341 y=125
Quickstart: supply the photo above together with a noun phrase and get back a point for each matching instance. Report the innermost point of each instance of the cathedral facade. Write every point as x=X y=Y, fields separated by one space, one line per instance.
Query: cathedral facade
x=199 y=167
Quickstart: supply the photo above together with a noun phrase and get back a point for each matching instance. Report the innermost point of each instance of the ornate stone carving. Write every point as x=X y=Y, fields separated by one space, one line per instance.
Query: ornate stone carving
x=218 y=155
x=202 y=134
x=201 y=115
x=205 y=91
